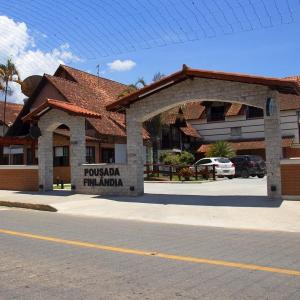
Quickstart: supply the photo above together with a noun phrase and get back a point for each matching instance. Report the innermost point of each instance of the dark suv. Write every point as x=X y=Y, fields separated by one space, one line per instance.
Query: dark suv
x=249 y=165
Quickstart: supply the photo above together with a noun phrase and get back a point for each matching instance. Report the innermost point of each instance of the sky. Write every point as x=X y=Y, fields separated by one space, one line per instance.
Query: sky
x=137 y=38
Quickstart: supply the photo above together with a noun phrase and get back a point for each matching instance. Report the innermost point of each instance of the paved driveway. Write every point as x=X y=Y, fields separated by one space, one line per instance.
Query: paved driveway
x=252 y=186
x=237 y=203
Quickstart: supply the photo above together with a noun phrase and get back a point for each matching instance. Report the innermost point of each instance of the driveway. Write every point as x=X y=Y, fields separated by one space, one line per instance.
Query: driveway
x=237 y=203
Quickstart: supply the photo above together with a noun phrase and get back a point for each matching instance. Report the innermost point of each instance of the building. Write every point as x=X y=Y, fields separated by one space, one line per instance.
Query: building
x=243 y=126
x=11 y=113
x=105 y=137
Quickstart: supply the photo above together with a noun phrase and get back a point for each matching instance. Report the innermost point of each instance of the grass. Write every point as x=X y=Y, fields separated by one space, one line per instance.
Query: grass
x=67 y=186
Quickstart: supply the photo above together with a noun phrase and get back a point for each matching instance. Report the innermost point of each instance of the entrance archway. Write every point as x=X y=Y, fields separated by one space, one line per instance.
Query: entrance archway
x=191 y=85
x=48 y=123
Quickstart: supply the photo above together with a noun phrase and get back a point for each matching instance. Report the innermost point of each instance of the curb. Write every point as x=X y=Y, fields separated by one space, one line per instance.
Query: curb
x=41 y=207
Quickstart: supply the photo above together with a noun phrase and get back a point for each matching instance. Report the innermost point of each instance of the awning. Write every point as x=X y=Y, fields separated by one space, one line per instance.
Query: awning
x=69 y=108
x=246 y=145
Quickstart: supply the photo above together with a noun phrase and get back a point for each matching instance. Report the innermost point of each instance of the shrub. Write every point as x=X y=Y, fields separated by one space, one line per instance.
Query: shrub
x=220 y=149
x=171 y=159
x=183 y=158
x=186 y=158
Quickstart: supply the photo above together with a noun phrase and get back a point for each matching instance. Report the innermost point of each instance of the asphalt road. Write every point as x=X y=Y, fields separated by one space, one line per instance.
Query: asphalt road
x=52 y=256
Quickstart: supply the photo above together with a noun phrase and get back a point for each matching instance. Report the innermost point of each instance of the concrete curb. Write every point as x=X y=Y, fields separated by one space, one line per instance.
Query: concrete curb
x=41 y=207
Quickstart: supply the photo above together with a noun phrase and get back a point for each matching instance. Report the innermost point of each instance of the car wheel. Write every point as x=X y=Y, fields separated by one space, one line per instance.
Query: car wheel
x=245 y=174
x=230 y=177
x=261 y=175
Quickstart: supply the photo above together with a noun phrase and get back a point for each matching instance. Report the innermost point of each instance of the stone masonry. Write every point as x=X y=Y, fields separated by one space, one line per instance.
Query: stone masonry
x=200 y=89
x=48 y=123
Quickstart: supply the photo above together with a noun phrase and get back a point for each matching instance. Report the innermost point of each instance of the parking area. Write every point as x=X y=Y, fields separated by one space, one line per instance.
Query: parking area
x=251 y=186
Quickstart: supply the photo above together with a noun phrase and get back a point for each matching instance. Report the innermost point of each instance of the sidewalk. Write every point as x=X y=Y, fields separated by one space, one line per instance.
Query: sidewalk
x=209 y=204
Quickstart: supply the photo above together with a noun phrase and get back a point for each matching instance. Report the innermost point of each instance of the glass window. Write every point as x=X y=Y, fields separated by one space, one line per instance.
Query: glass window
x=90 y=155
x=223 y=160
x=108 y=155
x=254 y=112
x=61 y=156
x=236 y=131
x=203 y=161
x=216 y=112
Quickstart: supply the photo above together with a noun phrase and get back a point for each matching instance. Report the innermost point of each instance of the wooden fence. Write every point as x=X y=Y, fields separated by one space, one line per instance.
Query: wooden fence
x=158 y=171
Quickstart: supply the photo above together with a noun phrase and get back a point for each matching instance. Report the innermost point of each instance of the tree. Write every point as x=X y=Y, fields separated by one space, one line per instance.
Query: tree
x=131 y=88
x=8 y=72
x=158 y=76
x=220 y=149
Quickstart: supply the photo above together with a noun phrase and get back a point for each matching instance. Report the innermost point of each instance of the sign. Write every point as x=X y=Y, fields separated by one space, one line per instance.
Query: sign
x=101 y=177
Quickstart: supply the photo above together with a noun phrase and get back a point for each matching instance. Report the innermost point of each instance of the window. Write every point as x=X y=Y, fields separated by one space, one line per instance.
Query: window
x=216 y=112
x=13 y=155
x=108 y=155
x=90 y=155
x=236 y=131
x=203 y=161
x=254 y=112
x=61 y=156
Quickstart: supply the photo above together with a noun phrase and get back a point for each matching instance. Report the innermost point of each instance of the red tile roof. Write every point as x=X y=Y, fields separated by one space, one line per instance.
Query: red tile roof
x=193 y=110
x=234 y=110
x=190 y=131
x=93 y=93
x=253 y=144
x=281 y=85
x=12 y=111
x=70 y=108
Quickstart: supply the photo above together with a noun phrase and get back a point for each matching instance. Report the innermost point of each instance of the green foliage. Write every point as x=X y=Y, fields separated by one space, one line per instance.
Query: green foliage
x=183 y=158
x=220 y=149
x=170 y=159
x=186 y=158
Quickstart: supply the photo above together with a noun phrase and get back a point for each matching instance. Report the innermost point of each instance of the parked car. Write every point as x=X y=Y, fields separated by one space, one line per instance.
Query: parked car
x=249 y=165
x=223 y=166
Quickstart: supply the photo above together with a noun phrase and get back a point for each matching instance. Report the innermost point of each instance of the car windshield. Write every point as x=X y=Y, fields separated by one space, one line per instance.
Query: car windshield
x=255 y=158
x=223 y=160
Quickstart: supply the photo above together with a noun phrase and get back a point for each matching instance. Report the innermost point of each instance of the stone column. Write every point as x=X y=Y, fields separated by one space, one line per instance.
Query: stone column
x=45 y=157
x=135 y=152
x=273 y=141
x=77 y=149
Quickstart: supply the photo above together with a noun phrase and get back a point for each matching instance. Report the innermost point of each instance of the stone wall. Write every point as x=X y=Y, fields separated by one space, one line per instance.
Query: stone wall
x=106 y=179
x=200 y=89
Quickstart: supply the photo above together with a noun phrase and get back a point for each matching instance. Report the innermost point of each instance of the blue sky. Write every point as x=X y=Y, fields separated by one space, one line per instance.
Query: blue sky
x=247 y=36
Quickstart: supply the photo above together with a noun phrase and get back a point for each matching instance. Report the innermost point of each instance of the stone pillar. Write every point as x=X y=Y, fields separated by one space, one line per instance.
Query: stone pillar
x=135 y=152
x=77 y=149
x=45 y=157
x=273 y=141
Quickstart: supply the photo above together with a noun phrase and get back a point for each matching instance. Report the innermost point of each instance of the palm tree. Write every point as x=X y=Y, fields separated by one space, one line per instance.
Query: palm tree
x=220 y=149
x=8 y=72
x=131 y=88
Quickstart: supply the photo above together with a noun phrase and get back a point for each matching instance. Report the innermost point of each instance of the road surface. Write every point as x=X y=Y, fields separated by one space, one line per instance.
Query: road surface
x=52 y=256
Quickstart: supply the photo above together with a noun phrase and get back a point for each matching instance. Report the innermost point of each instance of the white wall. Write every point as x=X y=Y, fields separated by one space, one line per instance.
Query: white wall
x=253 y=128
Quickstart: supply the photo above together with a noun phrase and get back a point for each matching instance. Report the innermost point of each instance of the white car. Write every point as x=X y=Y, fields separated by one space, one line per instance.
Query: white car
x=223 y=166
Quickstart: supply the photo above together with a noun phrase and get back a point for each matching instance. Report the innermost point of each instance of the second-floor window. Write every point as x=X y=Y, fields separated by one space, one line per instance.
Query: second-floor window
x=215 y=112
x=254 y=112
x=61 y=156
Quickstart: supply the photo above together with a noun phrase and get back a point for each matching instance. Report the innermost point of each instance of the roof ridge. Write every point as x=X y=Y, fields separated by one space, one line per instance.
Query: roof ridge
x=61 y=78
x=90 y=74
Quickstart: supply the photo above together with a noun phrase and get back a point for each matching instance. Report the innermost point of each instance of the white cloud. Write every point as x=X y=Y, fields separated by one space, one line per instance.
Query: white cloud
x=16 y=42
x=121 y=65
